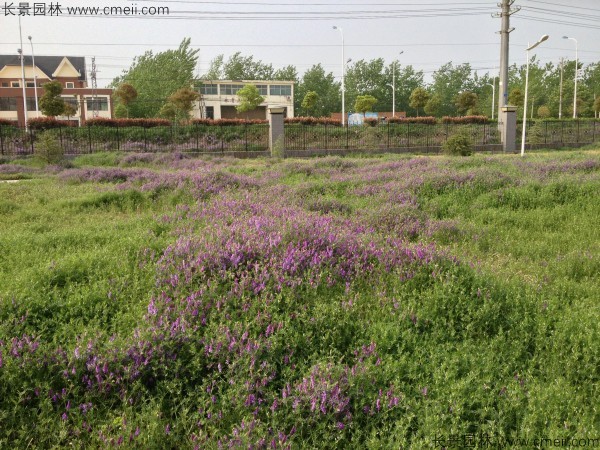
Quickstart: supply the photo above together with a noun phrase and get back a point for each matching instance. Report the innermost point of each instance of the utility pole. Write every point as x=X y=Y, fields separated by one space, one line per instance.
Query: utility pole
x=506 y=12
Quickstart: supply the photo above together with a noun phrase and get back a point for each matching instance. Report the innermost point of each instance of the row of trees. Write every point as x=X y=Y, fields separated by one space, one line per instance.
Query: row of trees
x=165 y=85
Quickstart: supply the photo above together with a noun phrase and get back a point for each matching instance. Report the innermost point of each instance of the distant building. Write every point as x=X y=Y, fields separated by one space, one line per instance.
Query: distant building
x=218 y=99
x=70 y=71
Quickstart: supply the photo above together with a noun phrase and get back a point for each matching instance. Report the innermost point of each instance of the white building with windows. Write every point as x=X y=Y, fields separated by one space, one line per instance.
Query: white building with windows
x=218 y=99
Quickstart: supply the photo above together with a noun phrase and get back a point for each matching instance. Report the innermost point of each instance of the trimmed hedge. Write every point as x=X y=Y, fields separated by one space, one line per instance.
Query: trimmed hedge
x=465 y=119
x=313 y=121
x=121 y=123
x=7 y=123
x=47 y=123
x=228 y=122
x=427 y=120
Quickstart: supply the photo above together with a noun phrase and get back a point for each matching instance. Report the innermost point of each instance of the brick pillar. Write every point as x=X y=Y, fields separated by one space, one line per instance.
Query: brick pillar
x=276 y=132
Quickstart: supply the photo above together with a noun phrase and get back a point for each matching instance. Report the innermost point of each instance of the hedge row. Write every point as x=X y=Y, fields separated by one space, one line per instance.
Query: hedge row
x=228 y=122
x=465 y=119
x=120 y=123
x=47 y=123
x=313 y=121
x=428 y=120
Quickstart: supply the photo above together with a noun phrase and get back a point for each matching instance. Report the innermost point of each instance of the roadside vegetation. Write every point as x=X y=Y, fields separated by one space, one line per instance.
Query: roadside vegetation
x=160 y=301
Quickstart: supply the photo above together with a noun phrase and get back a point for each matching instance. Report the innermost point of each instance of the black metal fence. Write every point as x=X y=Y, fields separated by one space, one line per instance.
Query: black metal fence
x=410 y=135
x=253 y=139
x=384 y=136
x=249 y=138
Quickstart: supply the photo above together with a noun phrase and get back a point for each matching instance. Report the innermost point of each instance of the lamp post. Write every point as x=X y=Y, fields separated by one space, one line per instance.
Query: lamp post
x=493 y=85
x=394 y=87
x=335 y=27
x=37 y=108
x=23 y=77
x=542 y=39
x=576 y=72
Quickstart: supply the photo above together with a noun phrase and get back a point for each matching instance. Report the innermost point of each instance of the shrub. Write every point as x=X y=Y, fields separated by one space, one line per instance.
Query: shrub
x=48 y=149
x=46 y=123
x=465 y=119
x=313 y=121
x=228 y=122
x=458 y=144
x=7 y=123
x=144 y=123
x=536 y=134
x=427 y=120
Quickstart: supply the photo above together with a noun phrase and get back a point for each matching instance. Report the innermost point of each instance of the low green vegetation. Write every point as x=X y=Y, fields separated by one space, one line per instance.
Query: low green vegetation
x=159 y=301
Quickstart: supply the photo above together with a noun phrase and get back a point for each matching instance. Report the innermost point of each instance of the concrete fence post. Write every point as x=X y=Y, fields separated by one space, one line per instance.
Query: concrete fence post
x=276 y=132
x=509 y=129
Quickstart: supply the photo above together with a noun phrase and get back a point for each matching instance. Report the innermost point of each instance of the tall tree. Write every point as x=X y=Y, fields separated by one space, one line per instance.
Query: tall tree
x=309 y=103
x=466 y=103
x=125 y=94
x=433 y=105
x=367 y=78
x=364 y=103
x=250 y=98
x=156 y=77
x=419 y=98
x=448 y=81
x=51 y=104
x=324 y=84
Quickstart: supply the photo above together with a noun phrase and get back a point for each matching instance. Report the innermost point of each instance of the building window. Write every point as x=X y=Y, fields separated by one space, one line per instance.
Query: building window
x=210 y=112
x=29 y=84
x=71 y=101
x=209 y=89
x=100 y=104
x=280 y=89
x=31 y=104
x=4 y=84
x=8 y=104
x=15 y=84
x=262 y=89
x=230 y=89
x=69 y=84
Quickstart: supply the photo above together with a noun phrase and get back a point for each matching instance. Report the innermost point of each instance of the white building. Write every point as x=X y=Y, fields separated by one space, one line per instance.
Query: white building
x=218 y=99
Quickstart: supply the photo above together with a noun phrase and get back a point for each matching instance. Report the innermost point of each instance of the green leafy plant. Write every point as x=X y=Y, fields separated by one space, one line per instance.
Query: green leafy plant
x=47 y=148
x=458 y=144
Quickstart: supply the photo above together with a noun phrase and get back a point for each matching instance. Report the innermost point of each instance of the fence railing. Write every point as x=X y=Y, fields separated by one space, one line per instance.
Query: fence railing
x=384 y=136
x=246 y=138
x=254 y=138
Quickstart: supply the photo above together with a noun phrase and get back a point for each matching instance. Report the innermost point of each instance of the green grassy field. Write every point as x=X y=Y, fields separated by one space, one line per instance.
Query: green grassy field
x=154 y=301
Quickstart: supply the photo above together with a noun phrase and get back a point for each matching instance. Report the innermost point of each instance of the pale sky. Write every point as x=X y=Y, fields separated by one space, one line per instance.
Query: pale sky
x=283 y=32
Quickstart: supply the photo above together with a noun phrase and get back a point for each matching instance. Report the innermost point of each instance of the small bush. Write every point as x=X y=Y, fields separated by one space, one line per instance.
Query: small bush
x=7 y=123
x=229 y=122
x=465 y=119
x=46 y=123
x=120 y=123
x=458 y=144
x=313 y=121
x=427 y=120
x=48 y=149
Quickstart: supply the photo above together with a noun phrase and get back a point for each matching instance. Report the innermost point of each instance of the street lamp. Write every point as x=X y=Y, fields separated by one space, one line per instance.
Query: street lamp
x=335 y=27
x=37 y=108
x=394 y=87
x=23 y=77
x=493 y=85
x=542 y=39
x=576 y=71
